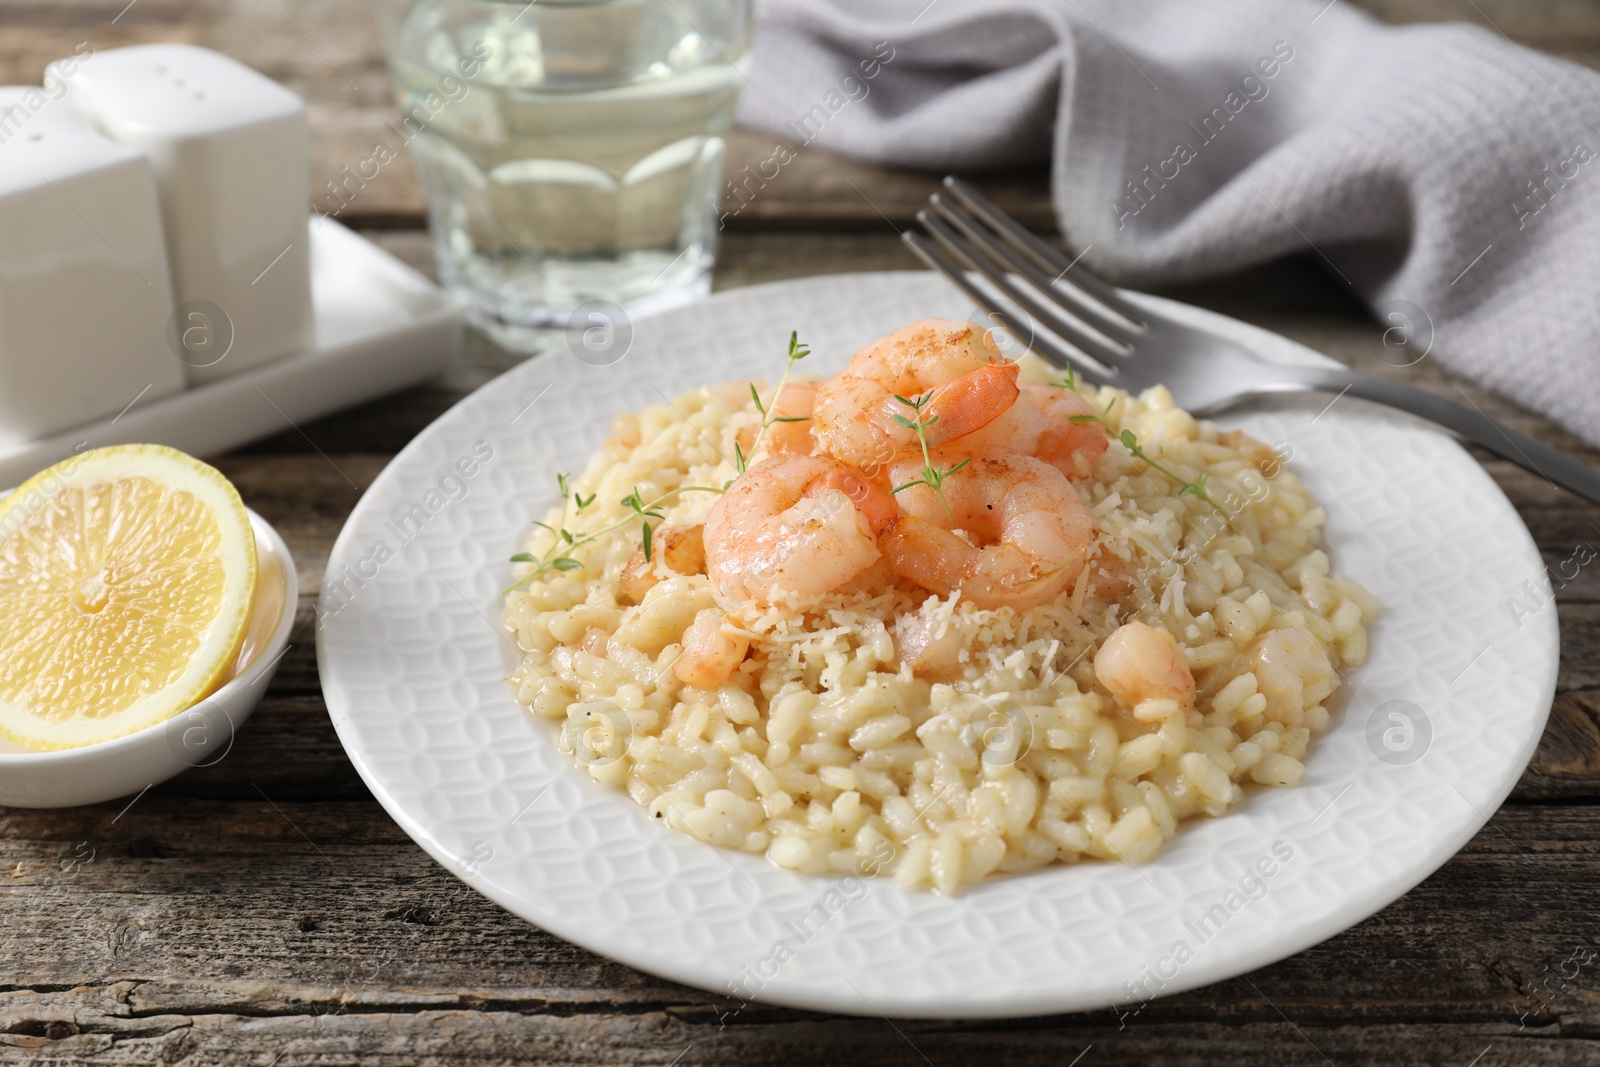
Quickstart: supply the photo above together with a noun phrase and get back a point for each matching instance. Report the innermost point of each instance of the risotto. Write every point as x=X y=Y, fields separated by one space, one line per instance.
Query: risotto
x=934 y=738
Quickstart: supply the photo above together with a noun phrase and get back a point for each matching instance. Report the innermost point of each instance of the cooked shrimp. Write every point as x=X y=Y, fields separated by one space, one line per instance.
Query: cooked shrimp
x=1040 y=424
x=1139 y=662
x=797 y=524
x=1111 y=578
x=928 y=646
x=1033 y=531
x=1293 y=672
x=676 y=550
x=712 y=650
x=972 y=385
x=795 y=401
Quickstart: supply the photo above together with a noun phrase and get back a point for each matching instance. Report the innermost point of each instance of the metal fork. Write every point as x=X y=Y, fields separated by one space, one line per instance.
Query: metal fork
x=1115 y=341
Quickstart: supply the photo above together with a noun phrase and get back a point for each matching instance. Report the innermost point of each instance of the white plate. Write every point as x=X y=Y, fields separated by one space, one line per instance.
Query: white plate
x=412 y=662
x=380 y=326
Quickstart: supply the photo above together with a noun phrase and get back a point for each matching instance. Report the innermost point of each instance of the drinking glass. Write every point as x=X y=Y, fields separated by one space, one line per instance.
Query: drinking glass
x=570 y=150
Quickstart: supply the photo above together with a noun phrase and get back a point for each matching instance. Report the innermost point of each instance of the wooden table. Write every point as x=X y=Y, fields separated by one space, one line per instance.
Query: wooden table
x=266 y=910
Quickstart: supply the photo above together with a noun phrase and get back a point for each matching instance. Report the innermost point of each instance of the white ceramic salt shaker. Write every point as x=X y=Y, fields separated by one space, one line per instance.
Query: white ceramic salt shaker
x=231 y=155
x=84 y=289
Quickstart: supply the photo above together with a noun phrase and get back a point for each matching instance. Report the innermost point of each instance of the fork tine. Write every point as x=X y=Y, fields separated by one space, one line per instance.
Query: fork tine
x=1080 y=313
x=1056 y=319
x=1049 y=258
x=1088 y=370
x=1083 y=310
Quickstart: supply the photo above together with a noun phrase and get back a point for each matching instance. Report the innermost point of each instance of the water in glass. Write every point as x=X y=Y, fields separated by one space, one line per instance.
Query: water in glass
x=570 y=152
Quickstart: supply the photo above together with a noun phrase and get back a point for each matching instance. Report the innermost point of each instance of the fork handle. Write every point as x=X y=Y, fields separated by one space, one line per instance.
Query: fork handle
x=1527 y=452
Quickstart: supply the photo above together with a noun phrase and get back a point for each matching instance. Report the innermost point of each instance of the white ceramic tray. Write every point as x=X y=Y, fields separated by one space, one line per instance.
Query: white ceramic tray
x=380 y=326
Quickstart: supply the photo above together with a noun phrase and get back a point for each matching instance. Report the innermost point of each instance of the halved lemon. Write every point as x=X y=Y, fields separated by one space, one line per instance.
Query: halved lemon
x=126 y=580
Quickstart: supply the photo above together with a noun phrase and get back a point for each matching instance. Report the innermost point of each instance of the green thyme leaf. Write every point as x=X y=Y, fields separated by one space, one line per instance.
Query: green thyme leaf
x=640 y=509
x=797 y=350
x=1131 y=442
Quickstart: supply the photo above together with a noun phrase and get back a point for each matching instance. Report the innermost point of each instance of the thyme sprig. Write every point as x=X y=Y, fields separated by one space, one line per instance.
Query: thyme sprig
x=797 y=352
x=933 y=477
x=564 y=542
x=1130 y=441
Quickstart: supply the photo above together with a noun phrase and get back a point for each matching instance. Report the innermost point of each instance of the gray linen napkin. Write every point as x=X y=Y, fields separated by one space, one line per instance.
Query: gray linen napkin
x=1449 y=176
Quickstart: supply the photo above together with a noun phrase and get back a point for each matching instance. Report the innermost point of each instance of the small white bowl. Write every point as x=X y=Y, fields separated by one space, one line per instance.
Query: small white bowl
x=198 y=737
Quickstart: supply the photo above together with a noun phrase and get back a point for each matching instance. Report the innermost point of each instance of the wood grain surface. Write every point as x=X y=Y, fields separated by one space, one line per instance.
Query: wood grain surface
x=266 y=910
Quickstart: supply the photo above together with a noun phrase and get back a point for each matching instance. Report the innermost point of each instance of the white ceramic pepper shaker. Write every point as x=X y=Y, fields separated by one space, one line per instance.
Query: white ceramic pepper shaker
x=232 y=160
x=84 y=285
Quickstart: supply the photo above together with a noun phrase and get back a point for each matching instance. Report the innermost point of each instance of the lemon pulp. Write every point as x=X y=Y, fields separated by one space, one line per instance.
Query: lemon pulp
x=126 y=580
